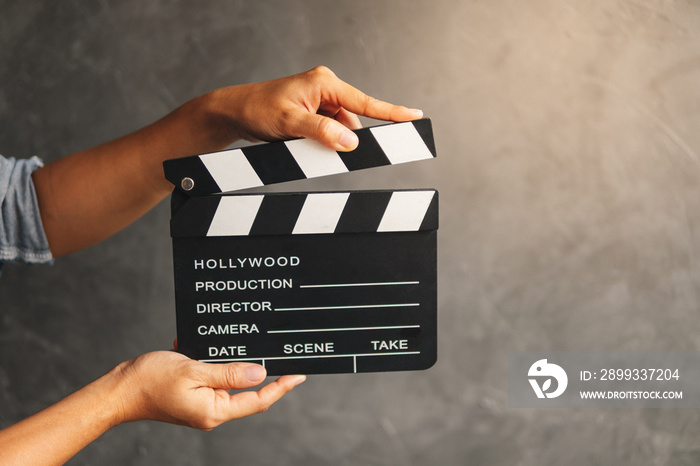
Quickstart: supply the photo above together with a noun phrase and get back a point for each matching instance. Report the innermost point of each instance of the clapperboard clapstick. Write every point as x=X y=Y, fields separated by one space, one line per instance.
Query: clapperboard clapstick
x=322 y=282
x=298 y=159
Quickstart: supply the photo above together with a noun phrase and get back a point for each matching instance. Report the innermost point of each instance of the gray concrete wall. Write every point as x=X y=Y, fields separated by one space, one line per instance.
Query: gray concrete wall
x=568 y=151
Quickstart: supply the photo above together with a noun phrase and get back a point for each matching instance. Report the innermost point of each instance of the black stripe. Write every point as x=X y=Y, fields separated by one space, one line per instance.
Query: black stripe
x=190 y=167
x=177 y=200
x=430 y=221
x=367 y=155
x=363 y=211
x=194 y=217
x=273 y=163
x=278 y=214
x=424 y=128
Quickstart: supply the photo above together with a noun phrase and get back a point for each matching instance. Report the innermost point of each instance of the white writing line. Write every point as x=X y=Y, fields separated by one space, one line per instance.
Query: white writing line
x=342 y=285
x=319 y=356
x=359 y=306
x=345 y=329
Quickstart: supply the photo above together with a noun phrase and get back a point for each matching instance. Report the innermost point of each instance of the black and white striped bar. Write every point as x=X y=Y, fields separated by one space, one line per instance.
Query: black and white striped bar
x=265 y=164
x=335 y=282
x=307 y=213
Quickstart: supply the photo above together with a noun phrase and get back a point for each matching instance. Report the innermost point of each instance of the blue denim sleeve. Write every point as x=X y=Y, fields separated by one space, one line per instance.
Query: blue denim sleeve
x=22 y=236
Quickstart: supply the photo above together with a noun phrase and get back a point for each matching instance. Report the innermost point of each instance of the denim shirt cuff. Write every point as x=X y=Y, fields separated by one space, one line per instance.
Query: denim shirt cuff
x=22 y=236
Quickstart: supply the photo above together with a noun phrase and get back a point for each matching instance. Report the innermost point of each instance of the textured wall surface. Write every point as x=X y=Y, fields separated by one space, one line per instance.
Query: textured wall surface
x=568 y=166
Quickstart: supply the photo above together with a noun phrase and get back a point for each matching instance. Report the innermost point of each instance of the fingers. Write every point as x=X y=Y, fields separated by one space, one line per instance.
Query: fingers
x=247 y=403
x=170 y=387
x=362 y=104
x=342 y=103
x=348 y=119
x=327 y=131
x=234 y=375
x=356 y=101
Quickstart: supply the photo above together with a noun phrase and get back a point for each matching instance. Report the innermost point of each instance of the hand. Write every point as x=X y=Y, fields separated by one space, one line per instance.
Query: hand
x=169 y=387
x=315 y=104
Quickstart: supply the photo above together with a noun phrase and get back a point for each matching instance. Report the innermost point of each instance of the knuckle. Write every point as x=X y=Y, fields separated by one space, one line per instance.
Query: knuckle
x=207 y=425
x=232 y=375
x=322 y=70
x=285 y=120
x=190 y=372
x=367 y=102
x=262 y=407
x=323 y=126
x=202 y=424
x=206 y=419
x=321 y=76
x=325 y=130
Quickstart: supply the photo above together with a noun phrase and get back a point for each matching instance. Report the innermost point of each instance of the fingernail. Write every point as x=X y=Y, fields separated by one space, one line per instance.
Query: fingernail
x=255 y=373
x=299 y=380
x=348 y=139
x=415 y=113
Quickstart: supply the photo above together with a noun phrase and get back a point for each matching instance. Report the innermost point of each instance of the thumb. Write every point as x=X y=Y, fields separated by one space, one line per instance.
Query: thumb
x=328 y=132
x=233 y=375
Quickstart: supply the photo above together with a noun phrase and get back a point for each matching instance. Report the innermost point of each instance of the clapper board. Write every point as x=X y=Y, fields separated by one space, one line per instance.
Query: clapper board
x=318 y=282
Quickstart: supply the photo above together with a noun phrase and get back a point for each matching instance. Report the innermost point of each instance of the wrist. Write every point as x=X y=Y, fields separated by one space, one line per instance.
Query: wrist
x=196 y=127
x=120 y=399
x=216 y=109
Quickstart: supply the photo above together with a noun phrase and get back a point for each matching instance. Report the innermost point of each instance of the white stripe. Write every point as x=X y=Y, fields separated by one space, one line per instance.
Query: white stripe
x=344 y=329
x=343 y=285
x=315 y=159
x=320 y=213
x=316 y=356
x=235 y=215
x=401 y=142
x=359 y=306
x=231 y=170
x=406 y=210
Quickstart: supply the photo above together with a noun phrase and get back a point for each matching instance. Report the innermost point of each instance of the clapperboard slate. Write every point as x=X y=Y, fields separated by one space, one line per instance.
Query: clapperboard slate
x=321 y=282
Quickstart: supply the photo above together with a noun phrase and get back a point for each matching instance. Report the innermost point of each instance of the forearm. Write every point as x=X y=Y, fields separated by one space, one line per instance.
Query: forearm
x=56 y=434
x=90 y=195
x=163 y=386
